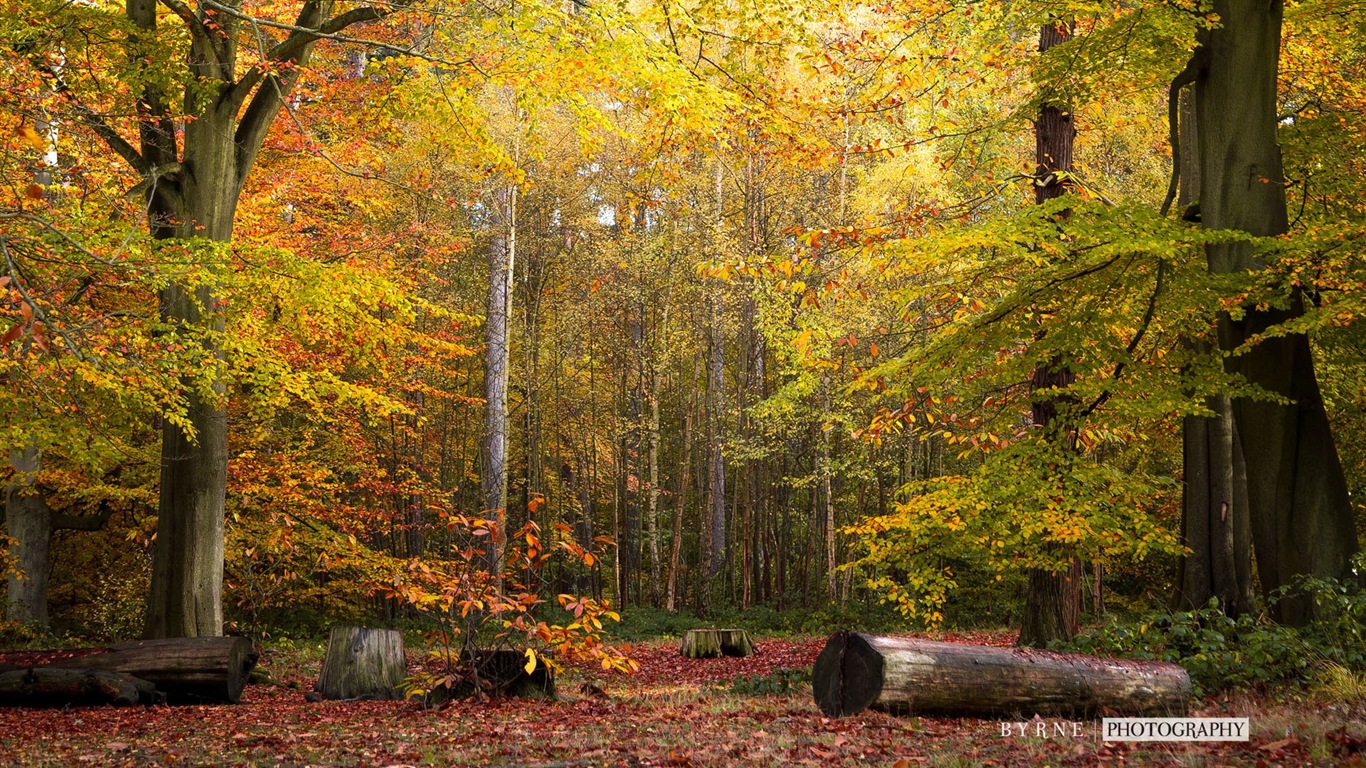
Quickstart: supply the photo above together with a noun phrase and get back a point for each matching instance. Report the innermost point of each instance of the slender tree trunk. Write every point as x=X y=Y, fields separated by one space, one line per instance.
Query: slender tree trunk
x=680 y=504
x=828 y=493
x=652 y=508
x=493 y=469
x=1301 y=516
x=1052 y=609
x=716 y=465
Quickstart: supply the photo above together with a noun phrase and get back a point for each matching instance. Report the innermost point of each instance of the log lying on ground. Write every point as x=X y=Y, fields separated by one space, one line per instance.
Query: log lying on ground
x=186 y=669
x=362 y=663
x=54 y=687
x=714 y=643
x=855 y=672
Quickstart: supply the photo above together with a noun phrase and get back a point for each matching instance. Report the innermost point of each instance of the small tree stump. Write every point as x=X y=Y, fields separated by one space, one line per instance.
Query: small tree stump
x=715 y=643
x=362 y=663
x=186 y=669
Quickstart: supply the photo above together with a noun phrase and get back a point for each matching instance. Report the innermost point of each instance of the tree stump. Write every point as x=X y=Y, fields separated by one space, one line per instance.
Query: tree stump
x=186 y=669
x=899 y=675
x=715 y=643
x=55 y=687
x=362 y=663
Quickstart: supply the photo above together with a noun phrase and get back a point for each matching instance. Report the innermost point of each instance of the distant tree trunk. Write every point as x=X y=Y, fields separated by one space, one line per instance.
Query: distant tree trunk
x=1052 y=608
x=827 y=491
x=493 y=469
x=28 y=523
x=1301 y=515
x=680 y=503
x=716 y=383
x=652 y=508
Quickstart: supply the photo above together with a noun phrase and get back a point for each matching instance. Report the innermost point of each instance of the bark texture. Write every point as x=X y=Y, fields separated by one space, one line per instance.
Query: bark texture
x=855 y=672
x=28 y=522
x=1052 y=607
x=187 y=670
x=362 y=664
x=493 y=470
x=1300 y=513
x=51 y=687
x=715 y=643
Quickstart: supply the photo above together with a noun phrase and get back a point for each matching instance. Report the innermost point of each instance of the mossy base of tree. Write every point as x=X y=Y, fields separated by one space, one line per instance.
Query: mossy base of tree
x=715 y=643
x=362 y=663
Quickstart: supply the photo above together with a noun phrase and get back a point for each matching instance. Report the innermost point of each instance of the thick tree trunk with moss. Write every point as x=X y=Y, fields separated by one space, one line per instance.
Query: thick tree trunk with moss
x=855 y=672
x=1301 y=516
x=1214 y=513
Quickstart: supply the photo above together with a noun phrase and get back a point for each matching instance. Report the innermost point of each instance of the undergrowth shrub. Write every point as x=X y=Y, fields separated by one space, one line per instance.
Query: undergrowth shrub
x=1223 y=653
x=779 y=682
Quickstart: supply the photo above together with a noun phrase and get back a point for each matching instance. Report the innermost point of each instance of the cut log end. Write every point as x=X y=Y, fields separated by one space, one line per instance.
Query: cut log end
x=715 y=643
x=362 y=663
x=855 y=672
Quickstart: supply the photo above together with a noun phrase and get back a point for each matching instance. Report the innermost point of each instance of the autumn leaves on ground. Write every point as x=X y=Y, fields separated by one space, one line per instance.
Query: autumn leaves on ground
x=672 y=712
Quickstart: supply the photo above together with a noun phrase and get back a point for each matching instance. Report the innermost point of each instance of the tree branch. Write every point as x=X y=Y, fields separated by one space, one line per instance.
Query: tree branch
x=1183 y=78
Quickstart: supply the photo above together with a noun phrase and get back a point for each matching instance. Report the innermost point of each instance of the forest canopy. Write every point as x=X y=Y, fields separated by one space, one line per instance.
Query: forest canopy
x=507 y=317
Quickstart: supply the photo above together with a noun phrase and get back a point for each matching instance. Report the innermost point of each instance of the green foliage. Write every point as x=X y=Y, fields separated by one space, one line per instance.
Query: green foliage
x=780 y=683
x=1222 y=653
x=116 y=608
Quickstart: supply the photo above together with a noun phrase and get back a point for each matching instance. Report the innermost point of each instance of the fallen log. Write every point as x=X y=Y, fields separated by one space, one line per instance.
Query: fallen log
x=186 y=669
x=715 y=643
x=53 y=687
x=899 y=675
x=362 y=663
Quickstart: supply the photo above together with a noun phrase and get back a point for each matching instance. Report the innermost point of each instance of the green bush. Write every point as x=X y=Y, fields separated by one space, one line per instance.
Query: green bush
x=1222 y=653
x=781 y=681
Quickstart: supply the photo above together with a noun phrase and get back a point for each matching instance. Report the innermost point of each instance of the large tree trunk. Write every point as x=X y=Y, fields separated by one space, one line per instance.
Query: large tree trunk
x=1214 y=515
x=1300 y=512
x=855 y=672
x=196 y=200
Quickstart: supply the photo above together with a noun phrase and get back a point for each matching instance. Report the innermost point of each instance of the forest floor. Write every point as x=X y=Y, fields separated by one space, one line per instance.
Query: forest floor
x=673 y=712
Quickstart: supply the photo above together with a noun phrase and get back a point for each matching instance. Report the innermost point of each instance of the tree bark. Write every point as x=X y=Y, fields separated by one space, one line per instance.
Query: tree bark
x=362 y=663
x=1301 y=516
x=52 y=687
x=715 y=643
x=1052 y=609
x=28 y=522
x=493 y=475
x=855 y=672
